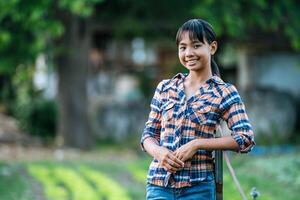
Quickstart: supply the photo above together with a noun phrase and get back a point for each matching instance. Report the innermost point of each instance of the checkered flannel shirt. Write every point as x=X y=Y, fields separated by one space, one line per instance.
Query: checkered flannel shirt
x=174 y=121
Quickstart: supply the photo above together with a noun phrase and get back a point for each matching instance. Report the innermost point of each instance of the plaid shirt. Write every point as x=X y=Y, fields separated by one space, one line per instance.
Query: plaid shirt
x=174 y=121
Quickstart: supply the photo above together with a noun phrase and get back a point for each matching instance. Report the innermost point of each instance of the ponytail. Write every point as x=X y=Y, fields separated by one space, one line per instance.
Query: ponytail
x=214 y=68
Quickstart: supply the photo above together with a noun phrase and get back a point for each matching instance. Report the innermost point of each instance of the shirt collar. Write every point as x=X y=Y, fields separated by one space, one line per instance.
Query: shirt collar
x=215 y=79
x=178 y=84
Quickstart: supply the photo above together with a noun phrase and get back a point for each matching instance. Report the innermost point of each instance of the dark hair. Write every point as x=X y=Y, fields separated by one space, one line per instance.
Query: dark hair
x=199 y=30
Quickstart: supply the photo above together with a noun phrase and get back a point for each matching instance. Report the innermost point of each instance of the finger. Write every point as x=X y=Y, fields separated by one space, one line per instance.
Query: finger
x=176 y=160
x=168 y=164
x=174 y=163
x=168 y=170
x=181 y=157
x=177 y=153
x=171 y=168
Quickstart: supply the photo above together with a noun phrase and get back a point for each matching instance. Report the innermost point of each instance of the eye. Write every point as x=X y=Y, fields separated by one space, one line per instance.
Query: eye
x=182 y=48
x=196 y=46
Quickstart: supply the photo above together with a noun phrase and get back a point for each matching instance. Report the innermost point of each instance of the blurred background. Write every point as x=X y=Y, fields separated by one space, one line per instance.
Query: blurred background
x=77 y=78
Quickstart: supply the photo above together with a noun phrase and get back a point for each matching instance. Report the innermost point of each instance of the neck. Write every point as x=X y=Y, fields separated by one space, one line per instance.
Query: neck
x=195 y=77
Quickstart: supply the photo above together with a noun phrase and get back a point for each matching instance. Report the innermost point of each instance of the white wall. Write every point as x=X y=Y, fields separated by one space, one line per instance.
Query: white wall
x=279 y=70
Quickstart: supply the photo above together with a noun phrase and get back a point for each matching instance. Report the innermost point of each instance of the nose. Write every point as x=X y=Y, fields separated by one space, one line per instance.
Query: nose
x=189 y=52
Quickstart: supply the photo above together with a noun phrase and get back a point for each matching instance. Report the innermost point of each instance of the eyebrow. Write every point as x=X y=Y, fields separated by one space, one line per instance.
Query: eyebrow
x=193 y=42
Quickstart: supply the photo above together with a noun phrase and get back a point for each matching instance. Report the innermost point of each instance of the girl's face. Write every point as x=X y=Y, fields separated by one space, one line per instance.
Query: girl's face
x=195 y=55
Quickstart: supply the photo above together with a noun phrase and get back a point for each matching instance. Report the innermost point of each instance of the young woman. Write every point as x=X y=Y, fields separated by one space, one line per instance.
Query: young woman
x=185 y=113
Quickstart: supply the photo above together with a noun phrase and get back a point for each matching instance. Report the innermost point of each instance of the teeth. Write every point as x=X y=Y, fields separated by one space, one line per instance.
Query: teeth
x=191 y=61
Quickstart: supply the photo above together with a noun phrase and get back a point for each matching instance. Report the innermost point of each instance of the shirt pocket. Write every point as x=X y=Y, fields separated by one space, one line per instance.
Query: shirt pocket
x=205 y=108
x=168 y=111
x=199 y=115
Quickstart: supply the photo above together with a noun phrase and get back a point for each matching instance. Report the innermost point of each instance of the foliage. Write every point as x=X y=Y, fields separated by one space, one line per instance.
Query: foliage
x=63 y=182
x=107 y=187
x=83 y=8
x=251 y=172
x=275 y=177
x=41 y=119
x=36 y=115
x=139 y=170
x=77 y=186
x=13 y=184
x=286 y=170
x=49 y=182
x=59 y=179
x=132 y=18
x=28 y=28
x=244 y=19
x=25 y=29
x=238 y=20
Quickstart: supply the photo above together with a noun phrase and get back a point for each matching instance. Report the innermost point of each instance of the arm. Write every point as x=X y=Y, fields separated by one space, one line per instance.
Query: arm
x=222 y=143
x=165 y=157
x=237 y=120
x=187 y=151
x=151 y=136
x=241 y=139
x=153 y=124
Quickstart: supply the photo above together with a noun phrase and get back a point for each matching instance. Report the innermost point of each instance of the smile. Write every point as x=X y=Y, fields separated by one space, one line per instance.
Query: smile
x=191 y=62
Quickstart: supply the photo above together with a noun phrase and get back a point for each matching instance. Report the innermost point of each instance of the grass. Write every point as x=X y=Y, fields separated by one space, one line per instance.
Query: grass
x=13 y=183
x=106 y=187
x=275 y=177
x=50 y=182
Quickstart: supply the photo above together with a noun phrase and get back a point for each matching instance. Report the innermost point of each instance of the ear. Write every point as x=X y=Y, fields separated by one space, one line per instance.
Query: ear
x=213 y=47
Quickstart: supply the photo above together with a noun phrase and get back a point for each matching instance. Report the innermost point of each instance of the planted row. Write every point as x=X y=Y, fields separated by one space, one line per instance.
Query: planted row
x=61 y=183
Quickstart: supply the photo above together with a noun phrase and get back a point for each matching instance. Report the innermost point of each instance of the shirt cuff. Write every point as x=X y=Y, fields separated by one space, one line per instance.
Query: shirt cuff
x=144 y=137
x=245 y=141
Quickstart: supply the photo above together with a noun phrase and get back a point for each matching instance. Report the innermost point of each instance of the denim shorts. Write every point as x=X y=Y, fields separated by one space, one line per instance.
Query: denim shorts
x=202 y=191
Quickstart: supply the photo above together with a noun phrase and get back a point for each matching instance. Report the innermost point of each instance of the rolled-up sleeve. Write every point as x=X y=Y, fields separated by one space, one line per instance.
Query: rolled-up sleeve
x=153 y=124
x=235 y=115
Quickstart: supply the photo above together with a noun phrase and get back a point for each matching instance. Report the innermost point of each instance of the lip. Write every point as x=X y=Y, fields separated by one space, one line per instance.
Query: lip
x=191 y=62
x=191 y=59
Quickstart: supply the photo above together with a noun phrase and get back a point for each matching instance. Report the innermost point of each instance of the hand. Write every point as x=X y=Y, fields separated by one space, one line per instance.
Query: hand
x=186 y=151
x=168 y=160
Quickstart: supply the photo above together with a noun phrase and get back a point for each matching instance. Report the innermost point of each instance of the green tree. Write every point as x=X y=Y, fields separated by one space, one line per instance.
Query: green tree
x=243 y=20
x=238 y=19
x=63 y=29
x=57 y=28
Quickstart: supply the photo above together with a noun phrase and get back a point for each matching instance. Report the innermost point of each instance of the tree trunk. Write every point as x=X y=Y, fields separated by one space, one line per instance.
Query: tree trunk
x=72 y=68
